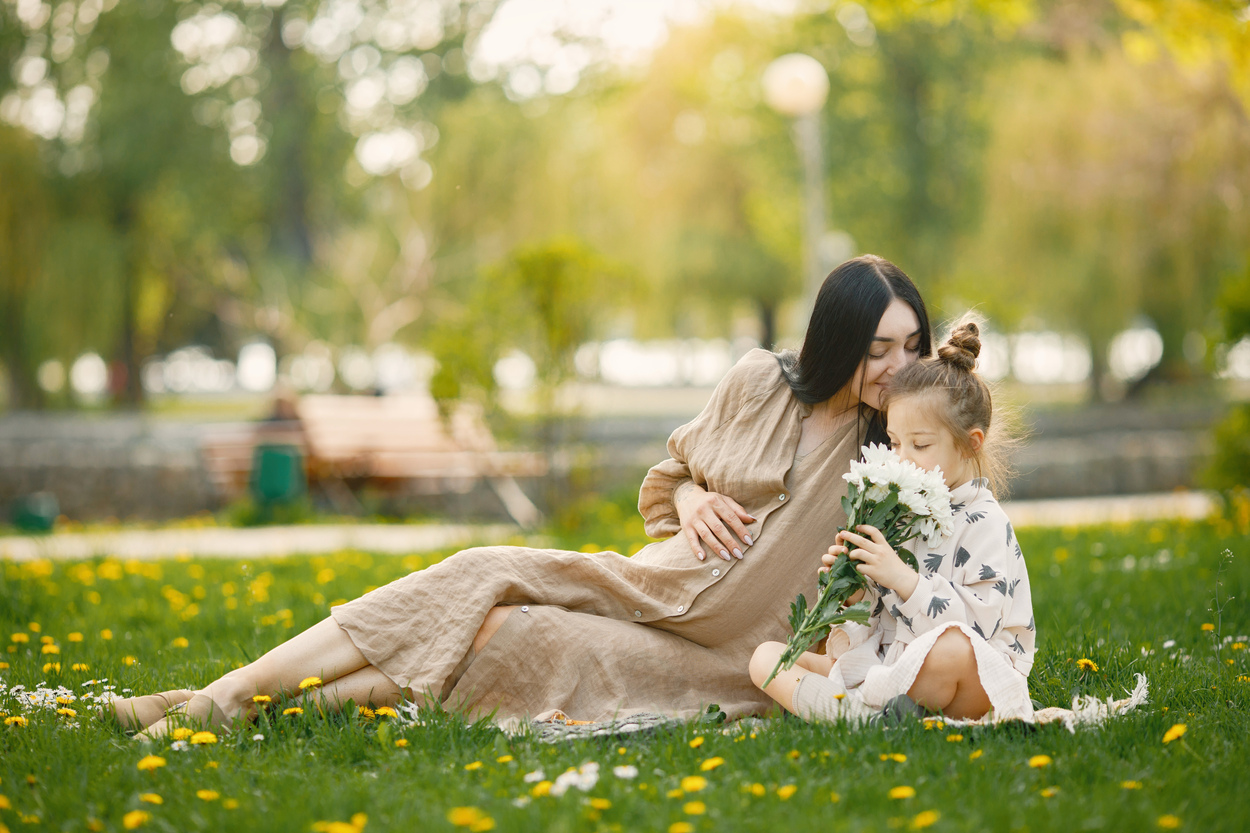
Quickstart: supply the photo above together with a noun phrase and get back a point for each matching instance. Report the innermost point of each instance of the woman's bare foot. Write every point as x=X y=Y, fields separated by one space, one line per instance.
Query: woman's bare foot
x=200 y=713
x=214 y=708
x=141 y=712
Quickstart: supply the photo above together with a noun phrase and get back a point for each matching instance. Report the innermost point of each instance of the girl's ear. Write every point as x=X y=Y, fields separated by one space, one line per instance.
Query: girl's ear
x=976 y=439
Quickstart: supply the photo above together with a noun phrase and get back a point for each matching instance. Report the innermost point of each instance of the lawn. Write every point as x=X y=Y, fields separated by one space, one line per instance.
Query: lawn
x=1129 y=599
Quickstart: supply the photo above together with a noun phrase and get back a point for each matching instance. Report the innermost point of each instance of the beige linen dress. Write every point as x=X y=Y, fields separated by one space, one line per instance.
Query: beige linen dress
x=602 y=635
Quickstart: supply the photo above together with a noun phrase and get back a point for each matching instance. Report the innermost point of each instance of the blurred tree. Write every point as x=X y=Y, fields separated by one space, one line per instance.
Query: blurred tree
x=1114 y=190
x=544 y=299
x=25 y=217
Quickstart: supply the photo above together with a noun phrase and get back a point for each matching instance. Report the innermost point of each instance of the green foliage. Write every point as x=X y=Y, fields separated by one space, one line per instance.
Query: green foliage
x=1115 y=595
x=544 y=299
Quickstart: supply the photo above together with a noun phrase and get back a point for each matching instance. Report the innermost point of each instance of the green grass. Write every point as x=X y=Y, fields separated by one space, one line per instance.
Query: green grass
x=1114 y=595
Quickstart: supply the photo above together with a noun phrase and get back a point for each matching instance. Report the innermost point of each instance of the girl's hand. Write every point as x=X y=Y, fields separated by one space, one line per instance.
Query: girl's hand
x=712 y=518
x=877 y=560
x=828 y=559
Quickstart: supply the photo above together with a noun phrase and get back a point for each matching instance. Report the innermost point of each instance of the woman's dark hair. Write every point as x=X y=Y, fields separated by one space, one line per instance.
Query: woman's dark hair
x=848 y=309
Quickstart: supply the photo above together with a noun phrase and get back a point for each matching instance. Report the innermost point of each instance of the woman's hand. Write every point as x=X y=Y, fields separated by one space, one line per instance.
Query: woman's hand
x=713 y=518
x=877 y=559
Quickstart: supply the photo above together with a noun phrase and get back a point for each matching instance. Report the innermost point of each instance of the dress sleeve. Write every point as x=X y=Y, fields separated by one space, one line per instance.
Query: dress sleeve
x=988 y=591
x=655 y=498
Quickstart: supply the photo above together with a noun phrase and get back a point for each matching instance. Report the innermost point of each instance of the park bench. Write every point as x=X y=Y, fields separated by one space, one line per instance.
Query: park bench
x=397 y=443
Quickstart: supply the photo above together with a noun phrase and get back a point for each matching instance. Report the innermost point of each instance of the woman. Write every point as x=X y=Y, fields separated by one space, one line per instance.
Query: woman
x=753 y=483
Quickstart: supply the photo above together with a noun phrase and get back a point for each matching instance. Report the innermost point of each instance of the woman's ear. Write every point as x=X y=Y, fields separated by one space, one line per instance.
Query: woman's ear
x=976 y=439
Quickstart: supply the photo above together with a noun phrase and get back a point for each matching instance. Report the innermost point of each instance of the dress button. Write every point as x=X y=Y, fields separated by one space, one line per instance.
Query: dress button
x=715 y=573
x=781 y=497
x=681 y=608
x=525 y=608
x=638 y=613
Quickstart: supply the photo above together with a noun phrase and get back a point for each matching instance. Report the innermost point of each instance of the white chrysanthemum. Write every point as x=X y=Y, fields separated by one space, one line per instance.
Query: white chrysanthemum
x=878 y=453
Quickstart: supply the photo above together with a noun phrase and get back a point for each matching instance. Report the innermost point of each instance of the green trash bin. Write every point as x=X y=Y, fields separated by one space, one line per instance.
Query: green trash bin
x=277 y=475
x=35 y=512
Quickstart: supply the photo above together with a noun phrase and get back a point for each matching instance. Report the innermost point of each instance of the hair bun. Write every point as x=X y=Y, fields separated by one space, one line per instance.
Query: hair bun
x=962 y=347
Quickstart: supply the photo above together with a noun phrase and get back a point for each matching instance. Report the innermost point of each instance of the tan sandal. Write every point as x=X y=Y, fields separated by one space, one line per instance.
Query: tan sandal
x=137 y=713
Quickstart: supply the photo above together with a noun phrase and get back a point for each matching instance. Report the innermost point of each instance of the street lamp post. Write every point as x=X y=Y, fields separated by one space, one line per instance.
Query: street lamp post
x=796 y=85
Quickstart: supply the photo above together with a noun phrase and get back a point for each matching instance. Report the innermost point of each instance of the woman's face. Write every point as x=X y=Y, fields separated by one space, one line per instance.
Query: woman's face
x=896 y=343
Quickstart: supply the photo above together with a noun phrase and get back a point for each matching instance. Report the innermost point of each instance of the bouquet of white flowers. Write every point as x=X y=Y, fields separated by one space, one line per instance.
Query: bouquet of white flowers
x=898 y=498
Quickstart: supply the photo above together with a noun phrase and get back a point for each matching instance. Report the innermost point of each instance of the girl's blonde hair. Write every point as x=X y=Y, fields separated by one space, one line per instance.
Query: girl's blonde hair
x=965 y=401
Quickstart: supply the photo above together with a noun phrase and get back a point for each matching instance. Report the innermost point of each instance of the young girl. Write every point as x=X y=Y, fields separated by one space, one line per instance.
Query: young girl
x=957 y=638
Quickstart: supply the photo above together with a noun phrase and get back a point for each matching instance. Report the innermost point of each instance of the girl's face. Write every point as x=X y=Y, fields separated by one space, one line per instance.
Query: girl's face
x=915 y=435
x=896 y=343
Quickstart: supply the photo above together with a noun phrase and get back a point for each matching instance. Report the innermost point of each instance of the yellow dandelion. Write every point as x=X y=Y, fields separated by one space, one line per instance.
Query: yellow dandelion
x=674 y=793
x=541 y=789
x=129 y=660
x=1086 y=664
x=711 y=764
x=1169 y=822
x=463 y=816
x=309 y=682
x=293 y=710
x=54 y=667
x=366 y=712
x=402 y=742
x=34 y=627
x=1039 y=761
x=207 y=795
x=230 y=804
x=151 y=798
x=262 y=699
x=15 y=720
x=181 y=733
x=106 y=634
x=135 y=818
x=1130 y=785
x=1207 y=626
x=80 y=666
x=694 y=808
x=65 y=711
x=181 y=642
x=620 y=750
x=600 y=803
x=1175 y=732
x=902 y=792
x=793 y=754
x=681 y=827
x=211 y=764
x=50 y=649
x=3 y=666
x=834 y=797
x=1238 y=646
x=74 y=637
x=386 y=711
x=973 y=756
x=203 y=738
x=696 y=742
x=150 y=763
x=693 y=783
x=784 y=793
x=1050 y=792
x=504 y=759
x=5 y=804
x=756 y=790
x=473 y=766
x=926 y=819
x=954 y=738
x=897 y=757
x=20 y=637
x=335 y=827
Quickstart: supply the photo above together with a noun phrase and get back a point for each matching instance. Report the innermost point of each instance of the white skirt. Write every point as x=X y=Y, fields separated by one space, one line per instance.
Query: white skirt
x=878 y=679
